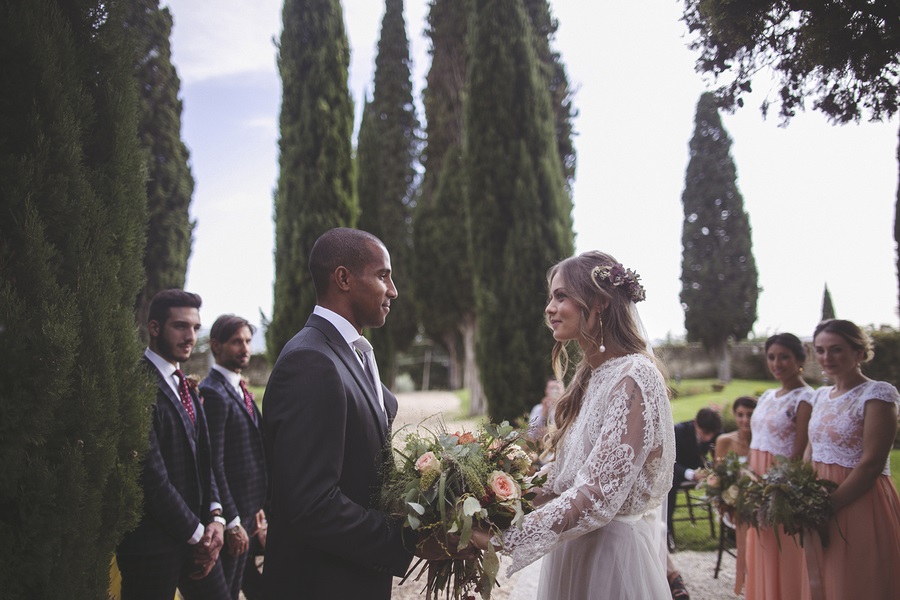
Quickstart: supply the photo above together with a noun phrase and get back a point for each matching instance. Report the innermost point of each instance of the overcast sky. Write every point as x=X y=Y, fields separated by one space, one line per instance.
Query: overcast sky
x=820 y=197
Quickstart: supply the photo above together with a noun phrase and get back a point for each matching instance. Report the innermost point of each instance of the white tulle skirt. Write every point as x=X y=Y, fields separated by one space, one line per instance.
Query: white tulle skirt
x=620 y=561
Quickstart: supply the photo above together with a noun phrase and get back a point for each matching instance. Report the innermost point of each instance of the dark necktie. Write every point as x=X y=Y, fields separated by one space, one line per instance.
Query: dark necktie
x=248 y=397
x=185 y=395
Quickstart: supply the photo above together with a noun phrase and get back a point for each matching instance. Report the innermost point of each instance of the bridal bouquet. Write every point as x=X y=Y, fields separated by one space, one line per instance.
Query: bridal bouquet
x=444 y=485
x=796 y=499
x=732 y=485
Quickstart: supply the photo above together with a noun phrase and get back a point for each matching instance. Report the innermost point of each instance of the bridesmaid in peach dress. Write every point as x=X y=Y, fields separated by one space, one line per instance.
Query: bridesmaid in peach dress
x=779 y=426
x=851 y=431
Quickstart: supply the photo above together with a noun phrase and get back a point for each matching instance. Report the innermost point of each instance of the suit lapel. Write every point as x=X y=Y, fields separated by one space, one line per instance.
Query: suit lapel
x=166 y=389
x=233 y=394
x=348 y=357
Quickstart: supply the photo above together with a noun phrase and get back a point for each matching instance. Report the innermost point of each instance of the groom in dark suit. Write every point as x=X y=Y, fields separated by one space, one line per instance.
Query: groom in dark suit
x=177 y=542
x=327 y=419
x=235 y=431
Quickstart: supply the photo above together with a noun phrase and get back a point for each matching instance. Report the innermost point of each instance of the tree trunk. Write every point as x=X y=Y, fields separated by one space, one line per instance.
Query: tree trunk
x=471 y=377
x=451 y=343
x=722 y=355
x=897 y=226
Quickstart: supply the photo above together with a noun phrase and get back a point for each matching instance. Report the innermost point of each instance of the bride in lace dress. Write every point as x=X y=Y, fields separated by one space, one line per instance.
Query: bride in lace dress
x=598 y=525
x=852 y=428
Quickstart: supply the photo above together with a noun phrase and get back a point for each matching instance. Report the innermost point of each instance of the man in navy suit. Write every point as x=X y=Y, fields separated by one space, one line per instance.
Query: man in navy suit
x=177 y=542
x=327 y=420
x=693 y=442
x=235 y=432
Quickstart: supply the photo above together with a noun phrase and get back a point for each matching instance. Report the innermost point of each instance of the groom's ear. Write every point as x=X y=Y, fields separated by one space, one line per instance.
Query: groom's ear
x=341 y=278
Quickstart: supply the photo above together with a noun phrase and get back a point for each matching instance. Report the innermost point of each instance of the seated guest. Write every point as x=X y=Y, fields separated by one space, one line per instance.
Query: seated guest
x=693 y=441
x=737 y=441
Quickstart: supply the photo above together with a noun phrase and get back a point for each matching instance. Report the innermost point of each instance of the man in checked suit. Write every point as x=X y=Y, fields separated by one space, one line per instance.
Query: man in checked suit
x=235 y=431
x=177 y=542
x=327 y=422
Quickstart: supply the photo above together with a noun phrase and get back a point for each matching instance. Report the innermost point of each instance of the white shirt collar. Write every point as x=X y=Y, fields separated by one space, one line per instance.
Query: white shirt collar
x=166 y=368
x=347 y=331
x=230 y=376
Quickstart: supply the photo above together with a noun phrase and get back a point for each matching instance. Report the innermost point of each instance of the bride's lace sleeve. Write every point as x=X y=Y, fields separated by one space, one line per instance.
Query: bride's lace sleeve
x=623 y=439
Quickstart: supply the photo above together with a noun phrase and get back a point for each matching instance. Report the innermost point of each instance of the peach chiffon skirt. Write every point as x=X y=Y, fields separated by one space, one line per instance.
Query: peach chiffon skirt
x=862 y=559
x=772 y=574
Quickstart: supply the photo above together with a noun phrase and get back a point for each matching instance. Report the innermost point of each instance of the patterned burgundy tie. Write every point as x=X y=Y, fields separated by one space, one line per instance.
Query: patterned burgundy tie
x=248 y=397
x=185 y=395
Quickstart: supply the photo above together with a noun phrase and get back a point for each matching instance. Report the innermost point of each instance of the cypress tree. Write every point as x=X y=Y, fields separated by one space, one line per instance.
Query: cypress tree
x=387 y=158
x=447 y=310
x=72 y=221
x=519 y=212
x=827 y=305
x=553 y=72
x=169 y=180
x=718 y=271
x=315 y=183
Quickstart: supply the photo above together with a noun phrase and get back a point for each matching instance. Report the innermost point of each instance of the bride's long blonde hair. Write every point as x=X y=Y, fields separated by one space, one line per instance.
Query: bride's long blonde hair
x=616 y=325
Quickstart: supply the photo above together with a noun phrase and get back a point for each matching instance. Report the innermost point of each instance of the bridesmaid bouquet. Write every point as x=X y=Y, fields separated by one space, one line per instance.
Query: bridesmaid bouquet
x=796 y=499
x=444 y=485
x=734 y=488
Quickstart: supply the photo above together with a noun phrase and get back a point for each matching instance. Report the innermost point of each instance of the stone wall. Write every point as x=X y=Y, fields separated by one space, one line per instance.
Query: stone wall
x=748 y=361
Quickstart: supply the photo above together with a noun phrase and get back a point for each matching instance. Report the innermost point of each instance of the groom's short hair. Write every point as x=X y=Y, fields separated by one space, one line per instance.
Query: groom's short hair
x=338 y=247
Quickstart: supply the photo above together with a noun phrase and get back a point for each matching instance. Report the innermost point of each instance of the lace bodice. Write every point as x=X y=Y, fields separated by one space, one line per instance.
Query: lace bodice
x=836 y=426
x=616 y=460
x=774 y=422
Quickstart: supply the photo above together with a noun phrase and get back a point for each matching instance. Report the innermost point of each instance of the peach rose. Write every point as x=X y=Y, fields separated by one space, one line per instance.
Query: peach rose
x=428 y=463
x=464 y=438
x=712 y=481
x=504 y=486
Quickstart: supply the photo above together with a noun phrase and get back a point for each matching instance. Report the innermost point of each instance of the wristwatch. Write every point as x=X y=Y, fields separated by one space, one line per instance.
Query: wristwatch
x=235 y=530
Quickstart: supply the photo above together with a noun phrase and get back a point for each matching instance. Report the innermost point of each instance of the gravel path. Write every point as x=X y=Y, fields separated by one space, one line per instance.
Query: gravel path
x=430 y=408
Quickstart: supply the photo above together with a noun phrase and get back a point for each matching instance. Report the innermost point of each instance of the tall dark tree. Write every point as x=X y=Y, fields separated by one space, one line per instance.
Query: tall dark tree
x=554 y=73
x=315 y=183
x=718 y=271
x=844 y=57
x=447 y=311
x=169 y=180
x=827 y=305
x=387 y=160
x=72 y=222
x=519 y=213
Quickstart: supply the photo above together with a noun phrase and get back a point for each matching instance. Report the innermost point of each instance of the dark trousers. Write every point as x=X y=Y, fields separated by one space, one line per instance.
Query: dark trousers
x=233 y=568
x=155 y=577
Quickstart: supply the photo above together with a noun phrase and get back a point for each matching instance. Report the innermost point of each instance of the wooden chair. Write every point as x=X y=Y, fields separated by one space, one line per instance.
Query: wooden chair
x=696 y=506
x=726 y=538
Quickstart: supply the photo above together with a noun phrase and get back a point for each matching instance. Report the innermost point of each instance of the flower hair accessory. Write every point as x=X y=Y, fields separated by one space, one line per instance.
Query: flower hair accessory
x=619 y=276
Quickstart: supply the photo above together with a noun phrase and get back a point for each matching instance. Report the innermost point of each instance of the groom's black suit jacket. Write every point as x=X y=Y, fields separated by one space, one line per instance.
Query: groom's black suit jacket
x=177 y=476
x=326 y=443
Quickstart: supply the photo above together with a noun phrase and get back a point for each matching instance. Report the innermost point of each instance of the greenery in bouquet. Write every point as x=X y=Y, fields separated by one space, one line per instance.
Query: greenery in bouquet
x=735 y=488
x=795 y=499
x=444 y=485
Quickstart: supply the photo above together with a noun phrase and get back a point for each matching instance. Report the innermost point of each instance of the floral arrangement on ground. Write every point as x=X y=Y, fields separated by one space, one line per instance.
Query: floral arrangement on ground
x=445 y=485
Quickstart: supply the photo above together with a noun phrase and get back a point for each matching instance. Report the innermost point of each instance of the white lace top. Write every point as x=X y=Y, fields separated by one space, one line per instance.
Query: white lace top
x=774 y=422
x=616 y=459
x=836 y=426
